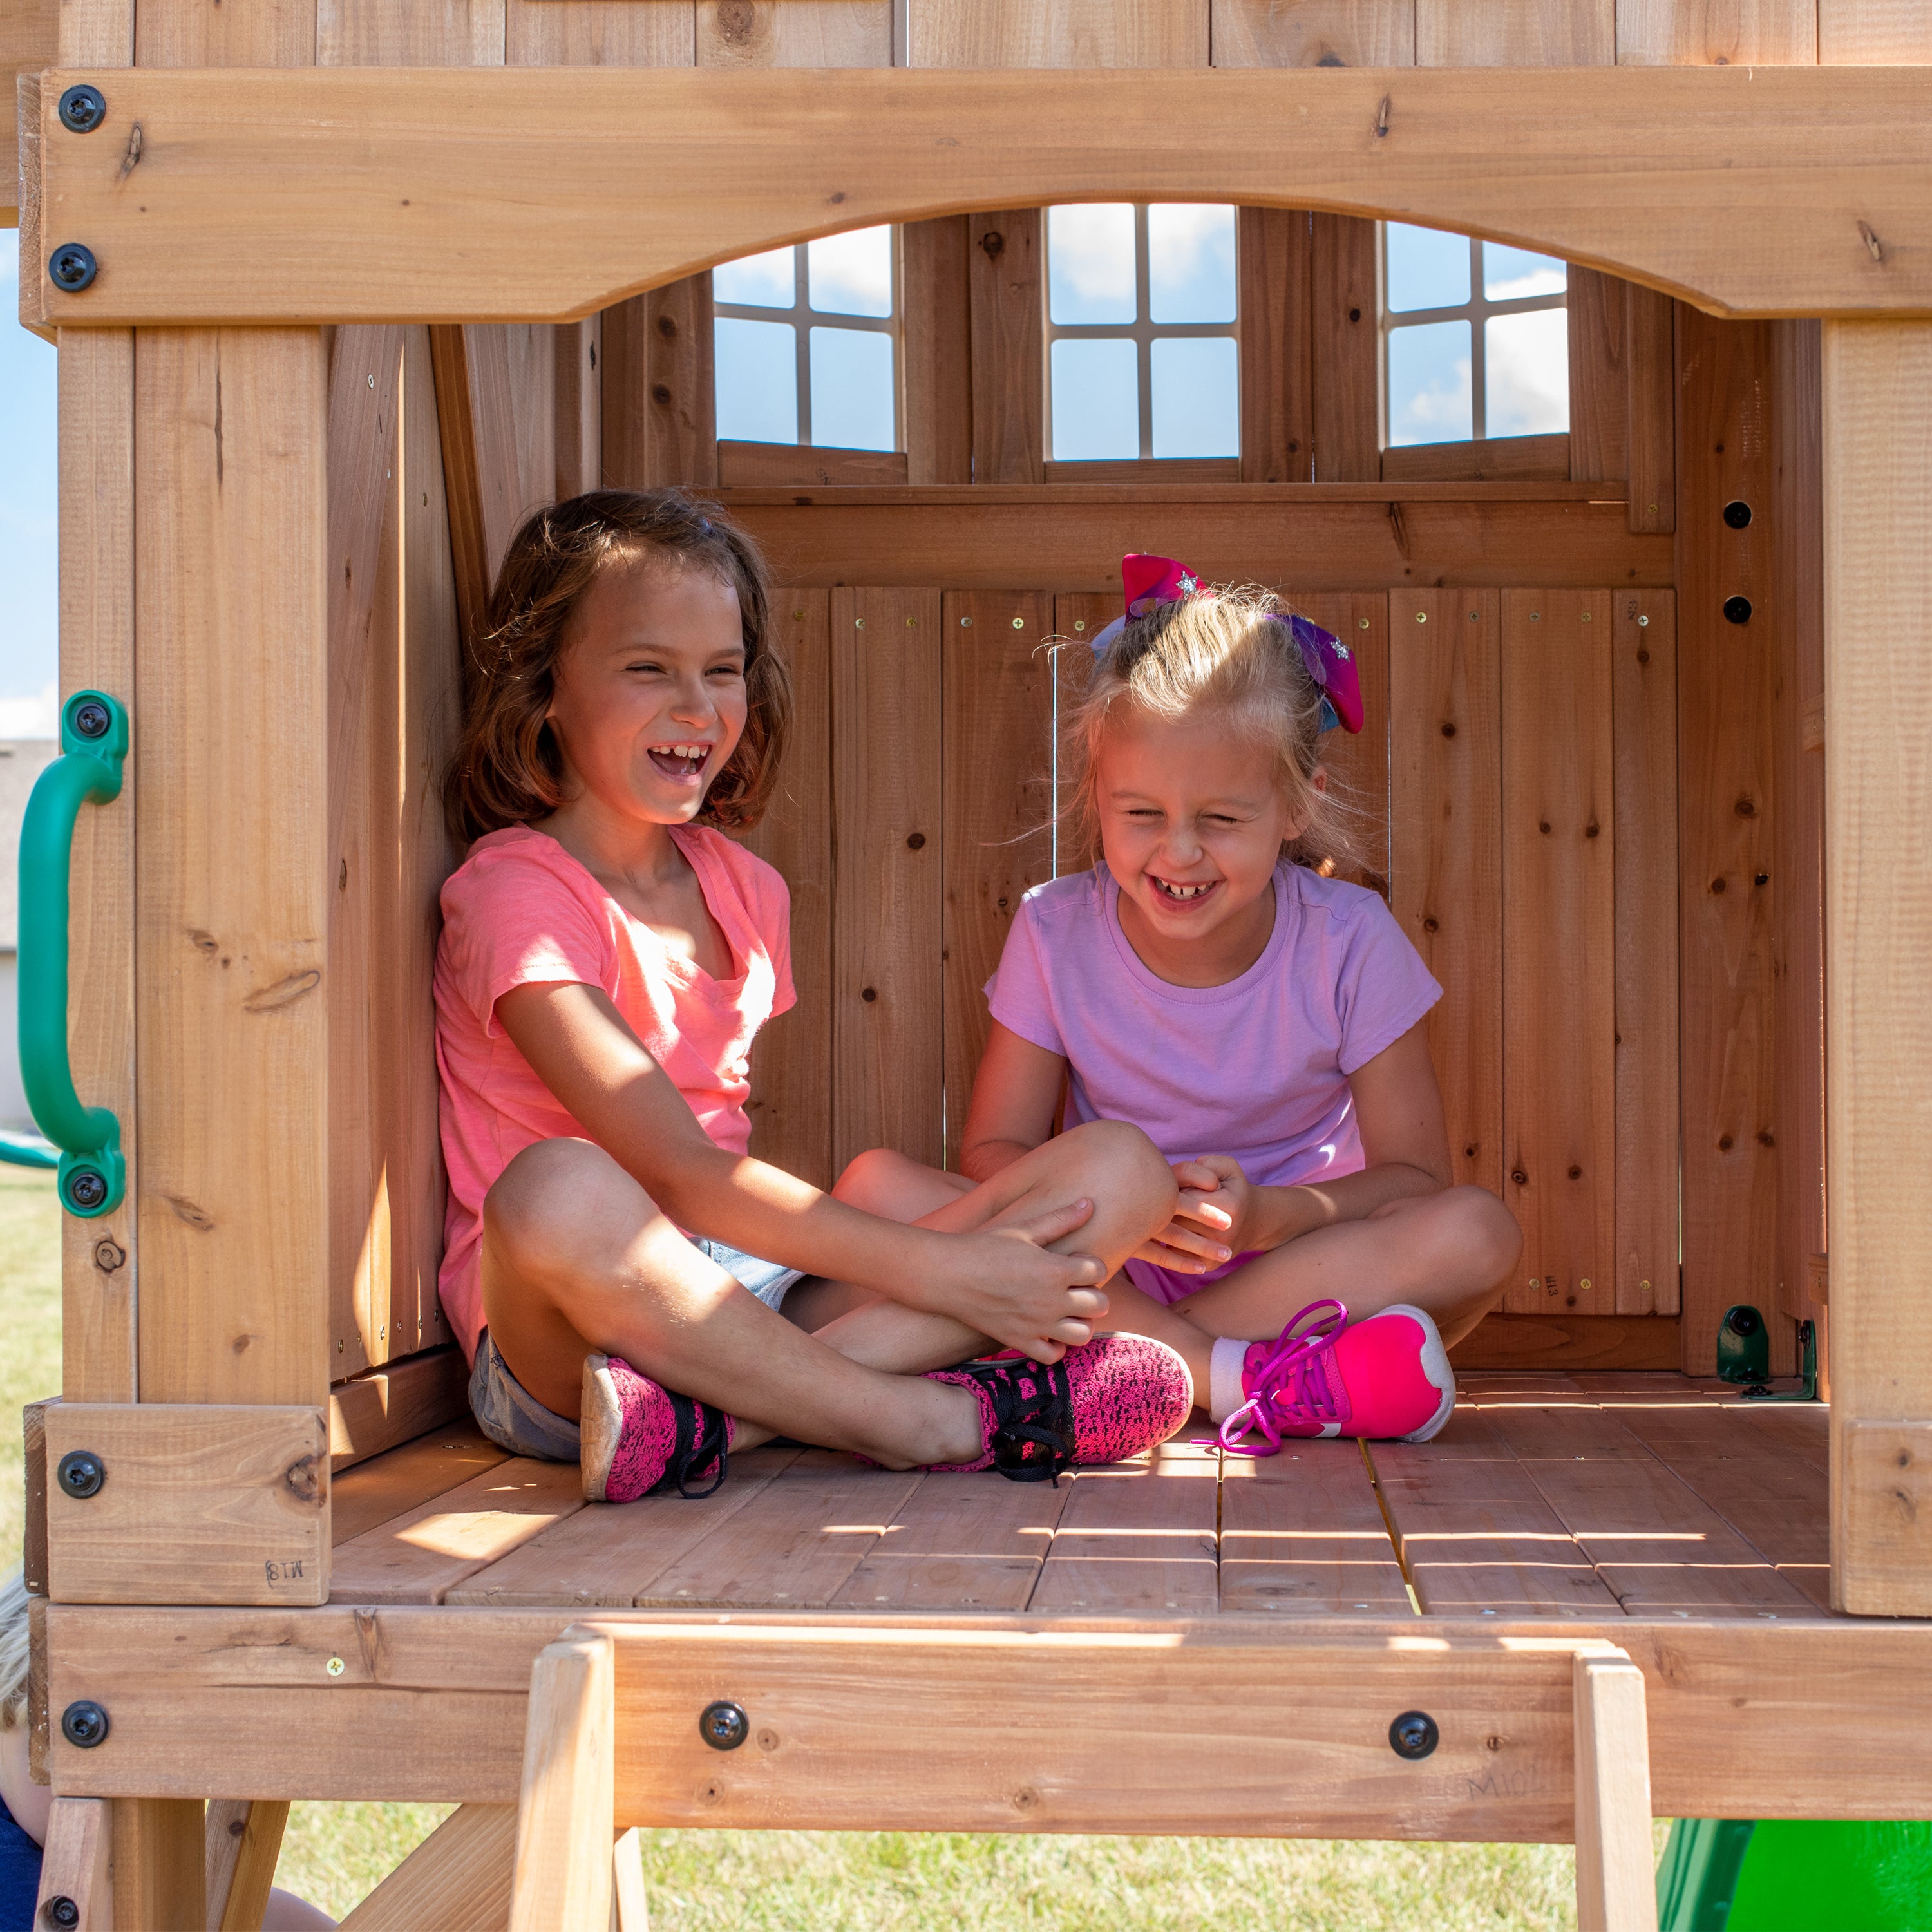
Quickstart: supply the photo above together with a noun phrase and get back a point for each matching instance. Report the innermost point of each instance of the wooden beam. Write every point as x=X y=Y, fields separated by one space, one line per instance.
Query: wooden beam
x=29 y=40
x=563 y=1870
x=395 y=1404
x=1346 y=347
x=1729 y=187
x=457 y=1880
x=1555 y=1344
x=160 y=1878
x=77 y=1866
x=937 y=342
x=1275 y=328
x=245 y=1841
x=1616 y=1890
x=1006 y=300
x=1878 y=920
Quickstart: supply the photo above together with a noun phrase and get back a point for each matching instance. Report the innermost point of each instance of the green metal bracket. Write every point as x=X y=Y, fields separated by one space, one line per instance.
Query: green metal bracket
x=1744 y=1355
x=92 y=1177
x=1806 y=1390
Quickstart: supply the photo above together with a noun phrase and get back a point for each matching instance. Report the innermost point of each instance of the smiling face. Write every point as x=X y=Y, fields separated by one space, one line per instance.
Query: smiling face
x=650 y=701
x=1191 y=822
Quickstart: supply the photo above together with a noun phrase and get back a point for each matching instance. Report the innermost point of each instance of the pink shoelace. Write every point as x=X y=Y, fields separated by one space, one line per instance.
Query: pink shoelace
x=1292 y=1383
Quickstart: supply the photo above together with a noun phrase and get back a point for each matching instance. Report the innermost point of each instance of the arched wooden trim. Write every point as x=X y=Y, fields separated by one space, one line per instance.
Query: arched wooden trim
x=492 y=195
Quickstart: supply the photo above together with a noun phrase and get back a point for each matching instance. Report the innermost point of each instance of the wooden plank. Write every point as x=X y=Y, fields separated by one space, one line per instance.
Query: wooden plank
x=34 y=1526
x=607 y=1558
x=1327 y=33
x=1302 y=1532
x=1275 y=331
x=596 y=33
x=417 y=1557
x=960 y=1543
x=1344 y=365
x=1616 y=1890
x=1501 y=459
x=1559 y=1082
x=1005 y=300
x=1643 y=699
x=458 y=1879
x=1570 y=1341
x=100 y=1257
x=1599 y=376
x=793 y=1543
x=29 y=40
x=631 y=1908
x=1717 y=33
x=281 y=34
x=798 y=33
x=997 y=765
x=754 y=465
x=1878 y=707
x=1160 y=470
x=1138 y=1538
x=1515 y=33
x=1781 y=1508
x=1445 y=771
x=244 y=1841
x=1079 y=619
x=888 y=1052
x=1077 y=33
x=1659 y=1548
x=77 y=1865
x=1476 y=1537
x=660 y=404
x=366 y=33
x=156 y=1860
x=562 y=1877
x=395 y=1404
x=790 y=1104
x=936 y=341
x=1650 y=367
x=1870 y=32
x=1535 y=1426
x=579 y=408
x=1726 y=680
x=201 y=1504
x=378 y=1491
x=1680 y=1426
x=1358 y=763
x=230 y=906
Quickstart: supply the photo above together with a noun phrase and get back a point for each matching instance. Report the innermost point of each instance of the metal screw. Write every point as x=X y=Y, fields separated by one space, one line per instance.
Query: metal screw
x=60 y=1910
x=724 y=1726
x=965 y=623
x=1584 y=1284
x=1536 y=617
x=72 y=266
x=1080 y=623
x=335 y=1666
x=84 y=1723
x=86 y=1188
x=91 y=718
x=82 y=109
x=1361 y=623
x=1642 y=623
x=81 y=1474
x=858 y=623
x=1422 y=616
x=1414 y=1735
x=1019 y=623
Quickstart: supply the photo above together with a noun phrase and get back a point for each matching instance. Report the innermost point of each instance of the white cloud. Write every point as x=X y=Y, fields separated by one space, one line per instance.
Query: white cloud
x=38 y=716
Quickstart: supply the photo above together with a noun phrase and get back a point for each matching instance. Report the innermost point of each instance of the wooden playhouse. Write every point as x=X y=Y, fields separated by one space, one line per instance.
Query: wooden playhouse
x=341 y=287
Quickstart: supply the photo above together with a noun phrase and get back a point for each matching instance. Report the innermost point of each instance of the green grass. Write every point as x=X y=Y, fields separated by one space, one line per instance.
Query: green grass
x=869 y=1881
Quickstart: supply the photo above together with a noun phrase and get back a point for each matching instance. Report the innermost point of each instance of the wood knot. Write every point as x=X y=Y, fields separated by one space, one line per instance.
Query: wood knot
x=992 y=243
x=667 y=328
x=303 y=1478
x=1874 y=247
x=737 y=21
x=1448 y=730
x=185 y=1210
x=283 y=993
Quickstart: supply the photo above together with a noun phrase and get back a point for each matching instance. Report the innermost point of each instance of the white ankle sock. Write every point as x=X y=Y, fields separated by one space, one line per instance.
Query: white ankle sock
x=1224 y=1392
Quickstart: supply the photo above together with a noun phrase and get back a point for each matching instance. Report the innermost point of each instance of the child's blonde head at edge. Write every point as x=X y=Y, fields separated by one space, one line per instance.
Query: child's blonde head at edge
x=1226 y=650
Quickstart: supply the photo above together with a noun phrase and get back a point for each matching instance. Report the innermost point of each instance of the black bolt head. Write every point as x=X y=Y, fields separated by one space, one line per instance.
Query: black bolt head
x=91 y=718
x=60 y=1910
x=72 y=266
x=1414 y=1735
x=724 y=1726
x=81 y=1474
x=82 y=109
x=1744 y=1320
x=1738 y=514
x=84 y=1723
x=1738 y=610
x=86 y=1188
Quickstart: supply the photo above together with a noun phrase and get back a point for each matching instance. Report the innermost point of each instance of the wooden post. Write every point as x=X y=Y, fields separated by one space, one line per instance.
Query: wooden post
x=243 y=1842
x=78 y=1865
x=564 y=1871
x=1878 y=923
x=1616 y=1888
x=160 y=1880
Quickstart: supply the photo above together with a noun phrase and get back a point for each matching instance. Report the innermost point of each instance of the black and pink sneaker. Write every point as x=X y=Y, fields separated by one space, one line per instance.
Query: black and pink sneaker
x=1112 y=1398
x=640 y=1439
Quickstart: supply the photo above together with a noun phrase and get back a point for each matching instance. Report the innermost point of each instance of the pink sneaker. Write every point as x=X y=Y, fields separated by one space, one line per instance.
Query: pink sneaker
x=640 y=1438
x=1114 y=1397
x=1387 y=1376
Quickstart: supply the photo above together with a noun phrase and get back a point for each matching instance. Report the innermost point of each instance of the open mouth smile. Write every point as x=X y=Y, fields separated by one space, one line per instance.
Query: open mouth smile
x=684 y=762
x=1177 y=892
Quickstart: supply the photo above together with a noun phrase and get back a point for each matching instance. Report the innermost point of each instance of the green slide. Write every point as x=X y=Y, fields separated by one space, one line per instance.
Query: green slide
x=1793 y=1875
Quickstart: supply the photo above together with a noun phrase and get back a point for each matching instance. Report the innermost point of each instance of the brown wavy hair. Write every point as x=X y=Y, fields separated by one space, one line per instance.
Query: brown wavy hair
x=508 y=767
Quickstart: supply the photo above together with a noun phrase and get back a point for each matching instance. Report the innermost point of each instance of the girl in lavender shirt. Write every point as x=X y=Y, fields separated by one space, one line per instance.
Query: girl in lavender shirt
x=1262 y=1021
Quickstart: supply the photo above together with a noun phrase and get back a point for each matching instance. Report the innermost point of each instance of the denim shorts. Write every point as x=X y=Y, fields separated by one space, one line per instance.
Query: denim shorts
x=515 y=1420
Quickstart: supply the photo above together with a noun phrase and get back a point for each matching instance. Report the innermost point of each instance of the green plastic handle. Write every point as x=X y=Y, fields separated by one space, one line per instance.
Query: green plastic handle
x=92 y=1175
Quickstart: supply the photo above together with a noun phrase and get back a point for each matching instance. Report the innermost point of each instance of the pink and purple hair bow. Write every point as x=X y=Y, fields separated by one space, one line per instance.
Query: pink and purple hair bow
x=1149 y=580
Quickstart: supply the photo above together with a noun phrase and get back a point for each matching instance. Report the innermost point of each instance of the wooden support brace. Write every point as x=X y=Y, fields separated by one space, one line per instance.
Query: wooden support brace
x=564 y=1871
x=629 y=1910
x=457 y=1880
x=78 y=1864
x=243 y=1842
x=1616 y=1889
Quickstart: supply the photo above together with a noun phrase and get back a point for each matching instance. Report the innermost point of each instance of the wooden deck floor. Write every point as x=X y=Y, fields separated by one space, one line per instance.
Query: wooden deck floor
x=1581 y=1496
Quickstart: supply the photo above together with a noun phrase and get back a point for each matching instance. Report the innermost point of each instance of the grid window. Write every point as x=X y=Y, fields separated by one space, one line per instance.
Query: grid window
x=807 y=342
x=1475 y=339
x=1140 y=329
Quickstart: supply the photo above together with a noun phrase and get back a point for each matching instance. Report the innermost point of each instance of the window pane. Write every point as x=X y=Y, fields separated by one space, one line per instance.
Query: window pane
x=1509 y=274
x=761 y=281
x=852 y=388
x=1526 y=372
x=1089 y=263
x=1096 y=402
x=1190 y=264
x=1426 y=269
x=758 y=380
x=1429 y=391
x=851 y=274
x=1197 y=407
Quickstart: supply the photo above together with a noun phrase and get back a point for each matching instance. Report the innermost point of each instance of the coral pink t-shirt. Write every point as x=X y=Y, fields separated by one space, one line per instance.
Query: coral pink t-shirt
x=520 y=910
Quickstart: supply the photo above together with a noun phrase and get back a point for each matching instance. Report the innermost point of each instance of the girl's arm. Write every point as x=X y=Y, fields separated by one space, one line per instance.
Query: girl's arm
x=1015 y=1094
x=1001 y=1283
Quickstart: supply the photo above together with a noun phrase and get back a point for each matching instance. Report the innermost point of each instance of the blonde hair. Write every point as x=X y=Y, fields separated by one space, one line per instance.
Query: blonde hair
x=14 y=1601
x=1223 y=648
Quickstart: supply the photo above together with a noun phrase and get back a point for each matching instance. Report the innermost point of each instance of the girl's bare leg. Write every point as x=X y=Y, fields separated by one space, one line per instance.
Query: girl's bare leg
x=576 y=1259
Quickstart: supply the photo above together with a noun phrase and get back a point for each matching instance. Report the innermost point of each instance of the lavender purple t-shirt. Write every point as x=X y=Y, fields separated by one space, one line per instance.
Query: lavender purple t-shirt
x=1257 y=1068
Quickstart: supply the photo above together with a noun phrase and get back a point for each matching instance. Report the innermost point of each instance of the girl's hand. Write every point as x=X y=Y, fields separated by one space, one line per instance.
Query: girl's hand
x=1210 y=1221
x=1006 y=1283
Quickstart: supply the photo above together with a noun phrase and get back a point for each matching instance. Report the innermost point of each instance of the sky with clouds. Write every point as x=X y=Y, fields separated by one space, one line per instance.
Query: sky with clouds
x=28 y=628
